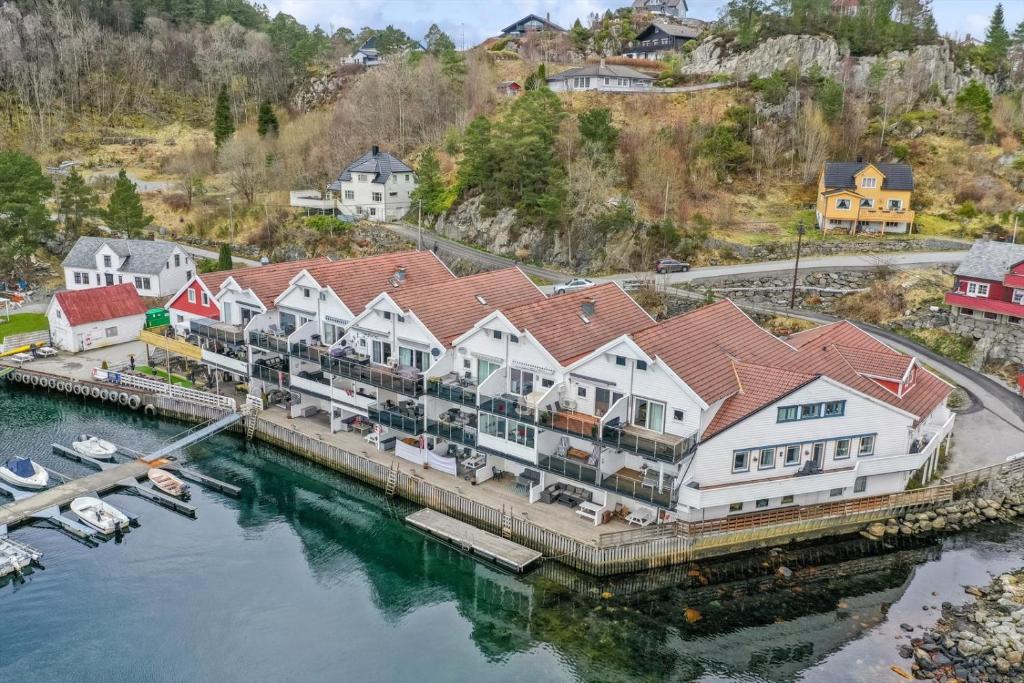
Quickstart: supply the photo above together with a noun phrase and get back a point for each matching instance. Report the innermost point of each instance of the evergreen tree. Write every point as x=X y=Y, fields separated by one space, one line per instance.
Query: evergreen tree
x=538 y=79
x=438 y=42
x=974 y=104
x=597 y=130
x=124 y=213
x=1018 y=36
x=430 y=193
x=829 y=96
x=580 y=37
x=478 y=156
x=266 y=120
x=224 y=261
x=223 y=123
x=24 y=220
x=997 y=40
x=76 y=202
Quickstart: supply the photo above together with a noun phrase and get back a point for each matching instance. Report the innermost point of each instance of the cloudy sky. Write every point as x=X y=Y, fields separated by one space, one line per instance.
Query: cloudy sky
x=474 y=20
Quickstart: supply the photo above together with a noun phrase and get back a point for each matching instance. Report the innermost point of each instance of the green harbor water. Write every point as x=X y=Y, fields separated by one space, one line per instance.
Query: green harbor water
x=313 y=577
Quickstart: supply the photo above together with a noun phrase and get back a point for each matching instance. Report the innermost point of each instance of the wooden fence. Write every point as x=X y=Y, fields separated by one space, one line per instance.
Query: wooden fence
x=1012 y=469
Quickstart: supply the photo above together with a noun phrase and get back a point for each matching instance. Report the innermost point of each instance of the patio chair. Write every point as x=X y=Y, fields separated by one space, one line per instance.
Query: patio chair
x=497 y=473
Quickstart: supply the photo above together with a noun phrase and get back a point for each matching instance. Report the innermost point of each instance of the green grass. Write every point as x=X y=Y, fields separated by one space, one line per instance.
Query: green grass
x=177 y=380
x=927 y=224
x=944 y=343
x=21 y=323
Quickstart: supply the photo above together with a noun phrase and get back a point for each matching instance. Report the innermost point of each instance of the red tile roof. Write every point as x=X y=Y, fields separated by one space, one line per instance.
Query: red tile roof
x=266 y=282
x=557 y=323
x=450 y=308
x=100 y=303
x=829 y=350
x=358 y=281
x=702 y=345
x=759 y=386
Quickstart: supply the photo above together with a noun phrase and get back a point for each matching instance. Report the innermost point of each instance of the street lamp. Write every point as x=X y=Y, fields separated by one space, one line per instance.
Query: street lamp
x=796 y=267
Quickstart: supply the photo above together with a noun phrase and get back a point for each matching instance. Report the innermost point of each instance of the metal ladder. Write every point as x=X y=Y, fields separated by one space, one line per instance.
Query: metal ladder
x=392 y=482
x=506 y=523
x=253 y=405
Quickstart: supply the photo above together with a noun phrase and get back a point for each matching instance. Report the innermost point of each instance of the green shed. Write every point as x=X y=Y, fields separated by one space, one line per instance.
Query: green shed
x=157 y=317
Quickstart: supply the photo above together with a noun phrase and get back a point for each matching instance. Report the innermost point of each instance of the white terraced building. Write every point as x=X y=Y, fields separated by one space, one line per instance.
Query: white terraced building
x=585 y=398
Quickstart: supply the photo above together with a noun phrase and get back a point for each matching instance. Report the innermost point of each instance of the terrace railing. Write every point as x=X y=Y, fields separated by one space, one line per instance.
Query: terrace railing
x=569 y=467
x=374 y=375
x=394 y=419
x=671 y=449
x=269 y=341
x=451 y=432
x=510 y=406
x=271 y=375
x=449 y=392
x=222 y=332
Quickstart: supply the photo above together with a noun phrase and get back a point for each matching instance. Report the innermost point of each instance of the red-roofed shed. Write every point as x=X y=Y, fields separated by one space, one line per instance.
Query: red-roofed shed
x=93 y=318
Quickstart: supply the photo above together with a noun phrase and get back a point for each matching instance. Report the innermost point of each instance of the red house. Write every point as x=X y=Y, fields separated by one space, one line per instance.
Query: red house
x=990 y=283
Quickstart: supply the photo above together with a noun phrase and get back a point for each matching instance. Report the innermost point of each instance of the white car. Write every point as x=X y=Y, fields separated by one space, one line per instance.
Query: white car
x=1015 y=457
x=574 y=285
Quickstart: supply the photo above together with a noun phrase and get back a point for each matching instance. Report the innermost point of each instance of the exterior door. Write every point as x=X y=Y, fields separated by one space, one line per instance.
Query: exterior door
x=109 y=278
x=818 y=455
x=649 y=414
x=381 y=352
x=604 y=399
x=521 y=382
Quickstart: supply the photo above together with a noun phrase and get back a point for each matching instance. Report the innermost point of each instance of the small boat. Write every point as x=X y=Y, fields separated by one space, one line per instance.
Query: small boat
x=99 y=515
x=24 y=473
x=168 y=483
x=94 y=447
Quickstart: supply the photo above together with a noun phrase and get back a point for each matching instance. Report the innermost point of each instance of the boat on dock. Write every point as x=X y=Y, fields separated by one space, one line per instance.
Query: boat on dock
x=168 y=483
x=15 y=556
x=24 y=473
x=101 y=516
x=94 y=447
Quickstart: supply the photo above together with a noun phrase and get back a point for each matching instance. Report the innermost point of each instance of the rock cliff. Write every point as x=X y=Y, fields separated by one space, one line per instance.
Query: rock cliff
x=927 y=68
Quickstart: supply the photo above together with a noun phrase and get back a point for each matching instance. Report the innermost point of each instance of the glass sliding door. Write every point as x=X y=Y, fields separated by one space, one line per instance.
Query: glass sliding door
x=484 y=369
x=649 y=414
x=411 y=358
x=521 y=382
x=604 y=399
x=381 y=352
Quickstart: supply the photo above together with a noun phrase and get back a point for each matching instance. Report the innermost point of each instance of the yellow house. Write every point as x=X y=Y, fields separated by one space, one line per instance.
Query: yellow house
x=858 y=196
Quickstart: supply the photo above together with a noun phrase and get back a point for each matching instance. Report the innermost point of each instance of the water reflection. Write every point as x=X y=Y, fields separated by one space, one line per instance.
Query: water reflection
x=728 y=620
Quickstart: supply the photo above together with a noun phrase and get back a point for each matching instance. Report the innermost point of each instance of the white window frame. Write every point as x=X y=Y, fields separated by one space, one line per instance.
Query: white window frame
x=894 y=205
x=205 y=299
x=191 y=295
x=745 y=467
x=977 y=289
x=1018 y=296
x=377 y=196
x=868 y=439
x=349 y=194
x=840 y=201
x=866 y=203
x=869 y=183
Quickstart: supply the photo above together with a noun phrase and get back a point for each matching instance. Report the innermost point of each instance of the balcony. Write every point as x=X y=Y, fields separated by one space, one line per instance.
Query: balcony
x=395 y=417
x=463 y=434
x=272 y=375
x=569 y=467
x=509 y=405
x=405 y=381
x=269 y=341
x=446 y=389
x=208 y=328
x=979 y=303
x=571 y=422
x=636 y=485
x=648 y=444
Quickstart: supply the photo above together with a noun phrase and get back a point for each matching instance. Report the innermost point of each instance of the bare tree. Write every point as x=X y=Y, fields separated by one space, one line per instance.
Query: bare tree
x=245 y=159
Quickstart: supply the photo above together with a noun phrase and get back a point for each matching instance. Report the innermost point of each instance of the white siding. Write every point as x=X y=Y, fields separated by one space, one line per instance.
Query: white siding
x=91 y=335
x=394 y=196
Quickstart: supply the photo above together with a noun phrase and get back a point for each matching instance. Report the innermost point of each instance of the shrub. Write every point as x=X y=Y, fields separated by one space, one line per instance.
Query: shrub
x=900 y=151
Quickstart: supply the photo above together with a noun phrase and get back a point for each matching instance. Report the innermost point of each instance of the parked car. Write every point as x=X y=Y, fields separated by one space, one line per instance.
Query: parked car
x=670 y=265
x=1015 y=457
x=574 y=285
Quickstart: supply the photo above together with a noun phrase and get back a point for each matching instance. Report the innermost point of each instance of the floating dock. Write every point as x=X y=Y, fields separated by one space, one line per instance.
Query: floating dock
x=484 y=544
x=15 y=556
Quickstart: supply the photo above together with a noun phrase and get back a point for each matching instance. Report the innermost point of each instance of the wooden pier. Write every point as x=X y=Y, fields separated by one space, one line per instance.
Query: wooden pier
x=469 y=538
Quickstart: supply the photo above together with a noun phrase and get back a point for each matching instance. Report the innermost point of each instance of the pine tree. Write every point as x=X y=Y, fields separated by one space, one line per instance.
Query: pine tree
x=24 y=218
x=76 y=202
x=596 y=129
x=1018 y=35
x=997 y=40
x=124 y=213
x=224 y=261
x=430 y=187
x=223 y=123
x=267 y=120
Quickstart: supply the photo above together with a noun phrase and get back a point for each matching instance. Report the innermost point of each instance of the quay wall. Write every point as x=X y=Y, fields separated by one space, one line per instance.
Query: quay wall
x=622 y=552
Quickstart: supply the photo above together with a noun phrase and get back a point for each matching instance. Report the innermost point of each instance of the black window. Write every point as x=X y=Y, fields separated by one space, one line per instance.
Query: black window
x=741 y=461
x=620 y=360
x=641 y=365
x=497 y=334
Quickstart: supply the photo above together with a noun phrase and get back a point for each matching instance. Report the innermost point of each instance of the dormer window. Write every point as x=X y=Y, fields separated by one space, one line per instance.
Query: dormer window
x=869 y=183
x=305 y=292
x=106 y=262
x=177 y=260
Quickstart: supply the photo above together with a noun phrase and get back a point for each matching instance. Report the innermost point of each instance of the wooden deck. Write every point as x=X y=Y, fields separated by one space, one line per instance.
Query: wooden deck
x=482 y=543
x=577 y=423
x=59 y=496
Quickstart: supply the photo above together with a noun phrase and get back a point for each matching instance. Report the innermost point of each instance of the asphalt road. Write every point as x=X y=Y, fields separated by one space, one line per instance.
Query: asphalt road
x=206 y=253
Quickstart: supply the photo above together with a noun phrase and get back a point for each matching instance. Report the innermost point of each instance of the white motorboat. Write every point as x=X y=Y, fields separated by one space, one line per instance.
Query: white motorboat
x=99 y=515
x=24 y=473
x=168 y=483
x=94 y=447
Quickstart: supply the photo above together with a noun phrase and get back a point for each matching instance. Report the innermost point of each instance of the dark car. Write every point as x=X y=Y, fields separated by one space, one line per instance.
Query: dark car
x=670 y=265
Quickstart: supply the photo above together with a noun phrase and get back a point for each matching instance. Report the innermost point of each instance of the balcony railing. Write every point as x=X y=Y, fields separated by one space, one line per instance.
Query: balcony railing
x=569 y=467
x=214 y=329
x=576 y=424
x=510 y=406
x=449 y=392
x=271 y=375
x=306 y=352
x=374 y=375
x=269 y=341
x=668 y=449
x=639 y=490
x=451 y=432
x=393 y=419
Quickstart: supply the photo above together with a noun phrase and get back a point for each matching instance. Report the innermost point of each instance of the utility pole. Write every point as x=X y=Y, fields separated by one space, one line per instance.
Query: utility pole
x=419 y=224
x=231 y=219
x=796 y=267
x=1013 y=240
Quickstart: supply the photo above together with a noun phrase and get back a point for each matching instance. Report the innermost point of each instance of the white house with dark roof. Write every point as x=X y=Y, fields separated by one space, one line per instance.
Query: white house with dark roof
x=600 y=76
x=156 y=268
x=675 y=9
x=376 y=186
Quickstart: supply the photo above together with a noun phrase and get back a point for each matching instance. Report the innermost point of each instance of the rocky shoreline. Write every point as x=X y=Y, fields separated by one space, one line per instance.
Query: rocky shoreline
x=999 y=507
x=975 y=642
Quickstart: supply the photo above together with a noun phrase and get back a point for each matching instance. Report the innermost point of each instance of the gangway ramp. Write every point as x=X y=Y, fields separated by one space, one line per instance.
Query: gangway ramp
x=193 y=437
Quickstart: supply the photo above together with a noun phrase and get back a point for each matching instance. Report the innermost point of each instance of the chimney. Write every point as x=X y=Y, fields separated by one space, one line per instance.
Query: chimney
x=860 y=159
x=588 y=306
x=602 y=62
x=548 y=17
x=375 y=149
x=400 y=274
